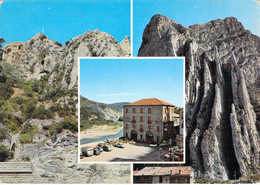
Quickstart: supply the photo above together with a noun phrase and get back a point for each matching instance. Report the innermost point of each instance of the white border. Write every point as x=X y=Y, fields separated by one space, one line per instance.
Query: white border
x=133 y=58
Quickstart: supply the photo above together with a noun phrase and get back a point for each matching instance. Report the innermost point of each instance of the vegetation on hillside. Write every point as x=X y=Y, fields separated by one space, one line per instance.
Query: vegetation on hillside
x=90 y=116
x=119 y=105
x=22 y=101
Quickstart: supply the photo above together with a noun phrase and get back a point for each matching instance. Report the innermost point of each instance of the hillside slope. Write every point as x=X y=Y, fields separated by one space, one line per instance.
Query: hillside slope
x=119 y=105
x=222 y=92
x=38 y=107
x=93 y=110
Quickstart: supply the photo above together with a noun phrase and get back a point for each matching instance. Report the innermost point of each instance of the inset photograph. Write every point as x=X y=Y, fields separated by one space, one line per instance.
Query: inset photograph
x=162 y=174
x=131 y=110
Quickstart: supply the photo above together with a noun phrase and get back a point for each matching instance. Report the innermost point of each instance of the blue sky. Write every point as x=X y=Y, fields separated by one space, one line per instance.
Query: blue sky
x=189 y=12
x=120 y=80
x=63 y=19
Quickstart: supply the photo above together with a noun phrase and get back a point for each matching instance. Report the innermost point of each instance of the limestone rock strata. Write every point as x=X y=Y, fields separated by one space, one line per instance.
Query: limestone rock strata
x=54 y=158
x=222 y=91
x=40 y=55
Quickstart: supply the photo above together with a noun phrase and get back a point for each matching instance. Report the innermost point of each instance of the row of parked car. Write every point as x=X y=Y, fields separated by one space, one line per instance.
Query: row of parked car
x=88 y=151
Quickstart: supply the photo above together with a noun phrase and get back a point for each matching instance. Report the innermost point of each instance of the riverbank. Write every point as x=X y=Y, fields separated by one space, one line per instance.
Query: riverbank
x=99 y=131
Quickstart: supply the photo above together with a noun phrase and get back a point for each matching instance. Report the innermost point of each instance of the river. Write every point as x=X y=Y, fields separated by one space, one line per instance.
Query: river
x=103 y=138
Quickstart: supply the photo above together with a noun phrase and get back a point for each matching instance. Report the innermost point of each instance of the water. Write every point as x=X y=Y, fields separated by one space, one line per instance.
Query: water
x=103 y=138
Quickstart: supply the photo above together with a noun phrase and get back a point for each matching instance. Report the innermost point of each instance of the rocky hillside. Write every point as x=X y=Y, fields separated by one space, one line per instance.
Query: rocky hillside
x=119 y=105
x=38 y=107
x=222 y=92
x=40 y=55
x=94 y=110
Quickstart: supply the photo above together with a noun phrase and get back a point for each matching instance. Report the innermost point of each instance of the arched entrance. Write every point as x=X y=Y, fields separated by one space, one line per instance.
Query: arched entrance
x=134 y=135
x=149 y=137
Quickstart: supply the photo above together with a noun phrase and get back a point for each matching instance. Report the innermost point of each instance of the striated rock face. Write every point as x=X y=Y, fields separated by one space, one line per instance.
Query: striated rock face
x=222 y=91
x=40 y=55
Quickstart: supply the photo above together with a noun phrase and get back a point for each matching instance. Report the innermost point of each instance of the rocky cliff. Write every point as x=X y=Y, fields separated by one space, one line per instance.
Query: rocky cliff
x=38 y=107
x=222 y=92
x=40 y=55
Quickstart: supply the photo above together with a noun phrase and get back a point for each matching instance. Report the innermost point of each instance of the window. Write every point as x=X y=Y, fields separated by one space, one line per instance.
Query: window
x=164 y=119
x=169 y=110
x=141 y=128
x=172 y=118
x=158 y=129
x=172 y=110
x=133 y=125
x=134 y=119
x=150 y=127
x=149 y=120
x=133 y=110
x=149 y=110
x=141 y=118
x=160 y=179
x=164 y=110
x=126 y=126
x=126 y=110
x=141 y=110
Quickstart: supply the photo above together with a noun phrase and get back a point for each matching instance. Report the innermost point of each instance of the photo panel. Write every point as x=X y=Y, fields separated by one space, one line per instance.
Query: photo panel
x=131 y=110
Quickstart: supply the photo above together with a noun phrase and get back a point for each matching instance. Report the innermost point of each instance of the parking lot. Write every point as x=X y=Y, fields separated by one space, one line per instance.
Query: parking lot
x=132 y=152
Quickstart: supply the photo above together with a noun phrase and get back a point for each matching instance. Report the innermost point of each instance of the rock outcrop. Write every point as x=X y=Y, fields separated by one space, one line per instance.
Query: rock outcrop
x=222 y=92
x=40 y=55
x=54 y=155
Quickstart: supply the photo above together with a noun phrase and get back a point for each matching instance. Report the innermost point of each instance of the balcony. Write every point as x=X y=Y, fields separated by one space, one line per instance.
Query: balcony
x=149 y=122
x=133 y=121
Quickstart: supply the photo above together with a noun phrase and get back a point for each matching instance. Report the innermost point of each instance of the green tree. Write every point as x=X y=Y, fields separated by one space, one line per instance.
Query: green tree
x=3 y=133
x=4 y=153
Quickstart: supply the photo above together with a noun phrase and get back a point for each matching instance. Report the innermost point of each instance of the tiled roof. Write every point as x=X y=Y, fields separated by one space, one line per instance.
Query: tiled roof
x=151 y=101
x=159 y=171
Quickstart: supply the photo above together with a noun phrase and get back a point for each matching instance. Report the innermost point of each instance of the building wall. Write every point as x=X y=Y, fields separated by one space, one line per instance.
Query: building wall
x=13 y=48
x=143 y=179
x=176 y=179
x=180 y=179
x=158 y=116
x=180 y=136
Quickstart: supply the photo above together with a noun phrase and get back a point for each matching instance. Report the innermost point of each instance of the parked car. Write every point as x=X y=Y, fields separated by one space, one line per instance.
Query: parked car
x=164 y=144
x=119 y=145
x=96 y=151
x=107 y=148
x=87 y=151
x=100 y=148
x=101 y=144
x=153 y=145
x=81 y=155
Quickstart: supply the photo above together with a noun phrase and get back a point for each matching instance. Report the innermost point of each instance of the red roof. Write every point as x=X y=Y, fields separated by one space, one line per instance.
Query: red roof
x=151 y=101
